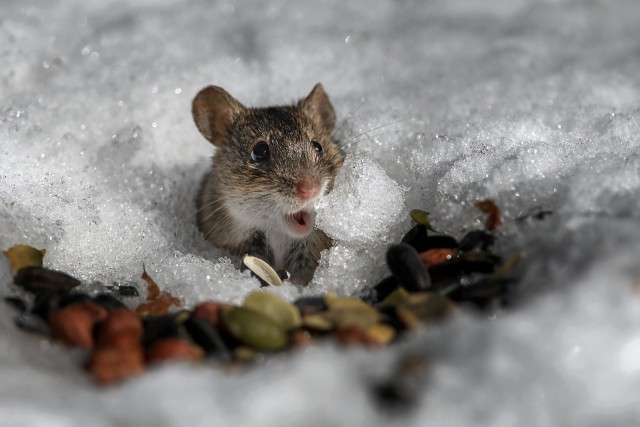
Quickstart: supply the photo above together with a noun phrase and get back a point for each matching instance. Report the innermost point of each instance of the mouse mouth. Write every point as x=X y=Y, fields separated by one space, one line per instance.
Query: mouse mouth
x=300 y=223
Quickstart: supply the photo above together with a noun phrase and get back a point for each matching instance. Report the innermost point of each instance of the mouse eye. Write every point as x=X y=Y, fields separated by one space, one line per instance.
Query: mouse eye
x=317 y=146
x=260 y=152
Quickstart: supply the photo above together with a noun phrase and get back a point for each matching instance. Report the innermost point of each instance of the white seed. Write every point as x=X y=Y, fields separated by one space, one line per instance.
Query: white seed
x=262 y=270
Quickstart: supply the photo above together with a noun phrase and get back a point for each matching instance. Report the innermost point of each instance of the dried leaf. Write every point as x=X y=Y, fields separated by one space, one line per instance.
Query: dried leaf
x=21 y=256
x=421 y=217
x=158 y=302
x=494 y=218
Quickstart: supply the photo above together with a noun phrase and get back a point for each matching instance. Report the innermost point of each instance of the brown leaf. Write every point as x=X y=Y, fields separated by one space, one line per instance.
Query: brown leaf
x=111 y=364
x=158 y=302
x=24 y=256
x=494 y=218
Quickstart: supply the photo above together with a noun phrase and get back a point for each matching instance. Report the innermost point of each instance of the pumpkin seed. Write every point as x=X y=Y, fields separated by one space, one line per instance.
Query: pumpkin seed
x=254 y=328
x=319 y=322
x=275 y=308
x=345 y=312
x=395 y=297
x=381 y=334
x=421 y=308
x=263 y=270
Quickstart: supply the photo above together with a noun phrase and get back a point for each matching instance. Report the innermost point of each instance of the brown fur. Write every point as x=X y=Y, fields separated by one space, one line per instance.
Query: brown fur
x=242 y=202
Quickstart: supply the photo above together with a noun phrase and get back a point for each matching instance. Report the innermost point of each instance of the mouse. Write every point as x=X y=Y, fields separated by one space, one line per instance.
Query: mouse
x=270 y=166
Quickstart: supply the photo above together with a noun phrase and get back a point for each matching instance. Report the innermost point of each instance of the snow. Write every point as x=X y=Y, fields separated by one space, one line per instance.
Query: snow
x=535 y=104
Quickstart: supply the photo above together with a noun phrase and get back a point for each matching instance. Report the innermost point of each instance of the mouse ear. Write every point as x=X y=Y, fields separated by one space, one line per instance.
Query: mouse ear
x=318 y=107
x=213 y=111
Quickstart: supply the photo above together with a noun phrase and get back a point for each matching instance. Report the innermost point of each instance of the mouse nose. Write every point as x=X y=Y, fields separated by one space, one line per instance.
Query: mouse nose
x=307 y=188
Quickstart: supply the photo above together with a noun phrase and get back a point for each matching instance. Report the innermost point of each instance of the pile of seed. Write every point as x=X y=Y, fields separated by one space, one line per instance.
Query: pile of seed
x=432 y=273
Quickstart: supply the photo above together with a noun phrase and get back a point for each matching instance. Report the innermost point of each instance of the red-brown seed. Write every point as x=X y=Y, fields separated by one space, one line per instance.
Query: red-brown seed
x=173 y=349
x=210 y=310
x=112 y=364
x=122 y=328
x=73 y=324
x=354 y=335
x=436 y=256
x=300 y=338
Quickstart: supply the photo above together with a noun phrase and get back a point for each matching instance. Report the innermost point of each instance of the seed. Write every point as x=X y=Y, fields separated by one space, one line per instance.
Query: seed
x=386 y=287
x=112 y=364
x=254 y=329
x=421 y=308
x=169 y=349
x=308 y=305
x=406 y=265
x=210 y=310
x=300 y=338
x=346 y=312
x=73 y=324
x=381 y=334
x=206 y=337
x=479 y=262
x=124 y=290
x=476 y=239
x=263 y=270
x=441 y=241
x=122 y=322
x=157 y=328
x=244 y=354
x=38 y=279
x=275 y=308
x=417 y=237
x=395 y=297
x=46 y=302
x=17 y=303
x=353 y=335
x=436 y=256
x=318 y=322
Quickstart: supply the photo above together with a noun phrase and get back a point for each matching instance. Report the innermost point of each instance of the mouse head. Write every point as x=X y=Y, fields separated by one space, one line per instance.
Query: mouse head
x=272 y=163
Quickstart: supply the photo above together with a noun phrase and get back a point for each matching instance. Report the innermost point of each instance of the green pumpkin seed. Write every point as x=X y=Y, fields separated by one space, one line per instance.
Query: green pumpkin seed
x=319 y=322
x=345 y=312
x=254 y=328
x=423 y=308
x=282 y=313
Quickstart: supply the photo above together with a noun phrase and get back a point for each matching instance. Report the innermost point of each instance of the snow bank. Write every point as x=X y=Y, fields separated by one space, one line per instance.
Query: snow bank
x=534 y=104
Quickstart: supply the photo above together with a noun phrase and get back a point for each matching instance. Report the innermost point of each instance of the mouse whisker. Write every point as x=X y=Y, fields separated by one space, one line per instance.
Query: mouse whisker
x=354 y=138
x=207 y=205
x=349 y=115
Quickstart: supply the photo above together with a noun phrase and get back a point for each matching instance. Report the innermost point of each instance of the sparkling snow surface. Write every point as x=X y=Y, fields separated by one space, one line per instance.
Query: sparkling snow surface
x=535 y=104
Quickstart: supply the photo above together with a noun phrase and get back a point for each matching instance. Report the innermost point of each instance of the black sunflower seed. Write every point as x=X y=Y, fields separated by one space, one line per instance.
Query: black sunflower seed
x=39 y=279
x=406 y=265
